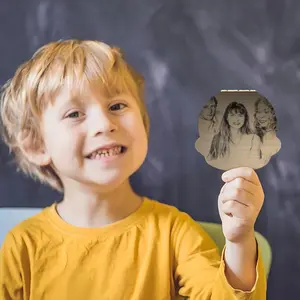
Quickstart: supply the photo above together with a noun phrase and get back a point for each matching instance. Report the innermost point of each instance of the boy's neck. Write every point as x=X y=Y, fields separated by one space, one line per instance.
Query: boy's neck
x=84 y=209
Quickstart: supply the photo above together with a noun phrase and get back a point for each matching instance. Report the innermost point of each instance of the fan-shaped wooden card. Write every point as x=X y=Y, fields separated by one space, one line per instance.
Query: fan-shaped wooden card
x=237 y=128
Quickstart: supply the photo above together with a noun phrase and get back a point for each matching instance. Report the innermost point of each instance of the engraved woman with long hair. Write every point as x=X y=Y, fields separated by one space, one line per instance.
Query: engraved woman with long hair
x=207 y=121
x=265 y=123
x=235 y=144
x=207 y=126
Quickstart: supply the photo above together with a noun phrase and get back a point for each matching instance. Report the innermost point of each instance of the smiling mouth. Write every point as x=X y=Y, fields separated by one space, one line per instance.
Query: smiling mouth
x=111 y=152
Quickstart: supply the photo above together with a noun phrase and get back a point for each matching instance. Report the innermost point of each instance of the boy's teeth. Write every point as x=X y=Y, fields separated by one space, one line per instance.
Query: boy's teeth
x=106 y=152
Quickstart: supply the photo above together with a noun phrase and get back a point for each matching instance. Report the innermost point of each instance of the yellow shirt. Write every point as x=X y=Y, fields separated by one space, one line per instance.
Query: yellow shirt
x=154 y=254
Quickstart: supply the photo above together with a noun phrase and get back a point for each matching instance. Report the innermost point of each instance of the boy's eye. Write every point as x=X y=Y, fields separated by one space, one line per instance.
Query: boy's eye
x=117 y=106
x=73 y=115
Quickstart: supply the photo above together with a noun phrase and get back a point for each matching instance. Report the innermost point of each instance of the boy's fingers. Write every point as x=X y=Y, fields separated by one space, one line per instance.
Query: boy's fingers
x=240 y=183
x=235 y=209
x=243 y=172
x=241 y=196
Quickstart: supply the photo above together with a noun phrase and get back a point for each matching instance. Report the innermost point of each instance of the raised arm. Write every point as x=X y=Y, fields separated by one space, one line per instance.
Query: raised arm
x=201 y=273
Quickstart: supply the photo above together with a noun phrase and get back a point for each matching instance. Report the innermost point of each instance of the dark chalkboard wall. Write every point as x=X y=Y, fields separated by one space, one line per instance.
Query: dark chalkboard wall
x=188 y=51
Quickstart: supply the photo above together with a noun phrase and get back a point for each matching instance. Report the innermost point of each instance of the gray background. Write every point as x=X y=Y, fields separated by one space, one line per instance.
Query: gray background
x=188 y=51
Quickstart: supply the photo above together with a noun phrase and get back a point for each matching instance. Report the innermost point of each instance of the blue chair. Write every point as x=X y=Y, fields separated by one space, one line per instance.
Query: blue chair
x=216 y=233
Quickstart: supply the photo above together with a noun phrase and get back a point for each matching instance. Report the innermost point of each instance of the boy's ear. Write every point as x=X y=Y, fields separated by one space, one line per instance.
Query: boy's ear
x=34 y=151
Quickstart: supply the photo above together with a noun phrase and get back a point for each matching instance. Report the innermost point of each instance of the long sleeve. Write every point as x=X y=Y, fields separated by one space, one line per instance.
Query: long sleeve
x=200 y=271
x=166 y=253
x=11 y=271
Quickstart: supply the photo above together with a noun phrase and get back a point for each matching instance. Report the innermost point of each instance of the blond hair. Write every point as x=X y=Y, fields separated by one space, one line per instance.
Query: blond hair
x=71 y=63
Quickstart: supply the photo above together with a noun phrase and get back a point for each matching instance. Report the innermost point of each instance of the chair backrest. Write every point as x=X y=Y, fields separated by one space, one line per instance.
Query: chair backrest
x=216 y=233
x=9 y=217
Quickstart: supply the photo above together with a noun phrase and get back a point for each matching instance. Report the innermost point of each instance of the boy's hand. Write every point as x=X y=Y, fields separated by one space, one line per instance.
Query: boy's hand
x=240 y=201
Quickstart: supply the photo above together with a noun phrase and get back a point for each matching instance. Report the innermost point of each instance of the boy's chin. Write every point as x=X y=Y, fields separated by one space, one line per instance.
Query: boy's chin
x=107 y=183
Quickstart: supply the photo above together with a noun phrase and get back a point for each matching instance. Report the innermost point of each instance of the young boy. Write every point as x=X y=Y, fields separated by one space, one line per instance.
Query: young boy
x=75 y=119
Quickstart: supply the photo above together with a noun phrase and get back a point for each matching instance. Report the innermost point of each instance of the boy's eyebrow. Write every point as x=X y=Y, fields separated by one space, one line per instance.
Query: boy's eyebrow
x=76 y=100
x=69 y=101
x=121 y=95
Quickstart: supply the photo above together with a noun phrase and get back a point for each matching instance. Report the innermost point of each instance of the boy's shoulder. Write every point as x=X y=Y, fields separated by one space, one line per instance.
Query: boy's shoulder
x=169 y=212
x=179 y=224
x=161 y=209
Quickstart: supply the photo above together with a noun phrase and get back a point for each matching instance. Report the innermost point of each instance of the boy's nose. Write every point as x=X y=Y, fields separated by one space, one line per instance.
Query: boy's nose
x=101 y=123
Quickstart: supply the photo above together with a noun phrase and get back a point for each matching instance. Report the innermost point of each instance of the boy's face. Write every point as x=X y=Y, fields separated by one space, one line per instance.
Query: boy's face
x=94 y=140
